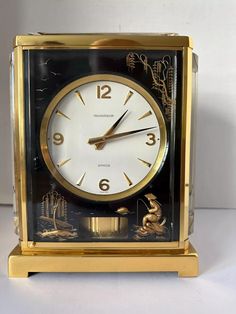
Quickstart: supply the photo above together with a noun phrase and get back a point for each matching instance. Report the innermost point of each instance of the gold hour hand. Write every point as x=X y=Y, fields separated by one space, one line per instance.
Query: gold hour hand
x=100 y=146
x=106 y=138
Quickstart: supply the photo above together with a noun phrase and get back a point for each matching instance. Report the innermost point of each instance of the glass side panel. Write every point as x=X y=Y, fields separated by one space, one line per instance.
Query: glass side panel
x=12 y=109
x=55 y=211
x=193 y=143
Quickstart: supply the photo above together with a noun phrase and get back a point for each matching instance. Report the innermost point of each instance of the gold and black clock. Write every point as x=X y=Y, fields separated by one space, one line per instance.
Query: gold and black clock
x=102 y=153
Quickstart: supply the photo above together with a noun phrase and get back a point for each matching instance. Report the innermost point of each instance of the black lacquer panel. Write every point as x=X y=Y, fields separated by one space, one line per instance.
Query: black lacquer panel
x=46 y=73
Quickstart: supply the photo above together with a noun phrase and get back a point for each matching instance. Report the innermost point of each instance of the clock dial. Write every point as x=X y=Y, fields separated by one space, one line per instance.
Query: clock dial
x=103 y=137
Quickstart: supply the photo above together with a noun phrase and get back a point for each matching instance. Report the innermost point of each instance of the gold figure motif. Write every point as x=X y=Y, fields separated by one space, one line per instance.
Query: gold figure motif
x=54 y=213
x=162 y=73
x=153 y=222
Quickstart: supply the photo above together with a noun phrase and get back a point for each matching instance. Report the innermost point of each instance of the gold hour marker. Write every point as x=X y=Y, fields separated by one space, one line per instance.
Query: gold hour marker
x=58 y=138
x=79 y=182
x=59 y=113
x=148 y=164
x=80 y=97
x=147 y=114
x=63 y=162
x=103 y=92
x=128 y=97
x=128 y=179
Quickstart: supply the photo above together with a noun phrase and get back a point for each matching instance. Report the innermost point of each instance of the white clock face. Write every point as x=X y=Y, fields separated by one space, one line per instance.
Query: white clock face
x=103 y=138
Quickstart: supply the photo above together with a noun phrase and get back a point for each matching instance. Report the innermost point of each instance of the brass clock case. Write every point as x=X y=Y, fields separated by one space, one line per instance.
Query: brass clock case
x=51 y=166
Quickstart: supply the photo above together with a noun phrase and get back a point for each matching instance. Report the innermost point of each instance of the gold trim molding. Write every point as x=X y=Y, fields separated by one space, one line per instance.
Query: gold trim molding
x=103 y=40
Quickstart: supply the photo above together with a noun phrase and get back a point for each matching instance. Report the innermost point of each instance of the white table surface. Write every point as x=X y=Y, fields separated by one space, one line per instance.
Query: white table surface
x=214 y=291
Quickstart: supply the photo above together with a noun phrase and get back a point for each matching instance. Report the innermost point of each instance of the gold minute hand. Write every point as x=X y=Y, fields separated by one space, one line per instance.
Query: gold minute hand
x=105 y=138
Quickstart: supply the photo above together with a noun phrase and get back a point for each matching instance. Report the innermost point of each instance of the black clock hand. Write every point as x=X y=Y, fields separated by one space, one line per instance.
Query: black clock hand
x=110 y=131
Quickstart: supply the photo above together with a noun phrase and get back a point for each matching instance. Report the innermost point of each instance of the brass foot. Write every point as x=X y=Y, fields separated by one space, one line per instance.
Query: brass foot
x=185 y=264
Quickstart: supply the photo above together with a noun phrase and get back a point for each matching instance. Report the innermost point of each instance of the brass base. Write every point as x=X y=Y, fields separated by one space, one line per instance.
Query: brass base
x=186 y=264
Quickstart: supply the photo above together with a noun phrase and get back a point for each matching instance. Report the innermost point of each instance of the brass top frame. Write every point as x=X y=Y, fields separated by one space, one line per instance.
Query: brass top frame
x=100 y=41
x=103 y=40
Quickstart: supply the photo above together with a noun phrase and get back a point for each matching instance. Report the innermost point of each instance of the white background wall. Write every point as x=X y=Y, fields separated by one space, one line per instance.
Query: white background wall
x=212 y=24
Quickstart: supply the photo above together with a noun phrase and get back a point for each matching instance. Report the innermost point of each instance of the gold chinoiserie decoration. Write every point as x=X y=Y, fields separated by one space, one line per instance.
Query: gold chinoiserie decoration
x=54 y=214
x=162 y=75
x=153 y=224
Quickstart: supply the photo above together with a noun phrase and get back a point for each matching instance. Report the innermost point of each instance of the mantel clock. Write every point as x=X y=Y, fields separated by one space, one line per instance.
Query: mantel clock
x=103 y=148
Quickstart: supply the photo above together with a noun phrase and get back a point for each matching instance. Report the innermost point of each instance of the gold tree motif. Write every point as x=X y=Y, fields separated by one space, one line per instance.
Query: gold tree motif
x=54 y=204
x=54 y=213
x=162 y=74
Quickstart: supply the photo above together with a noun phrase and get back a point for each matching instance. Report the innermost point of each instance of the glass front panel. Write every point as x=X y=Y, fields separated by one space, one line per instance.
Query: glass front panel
x=103 y=144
